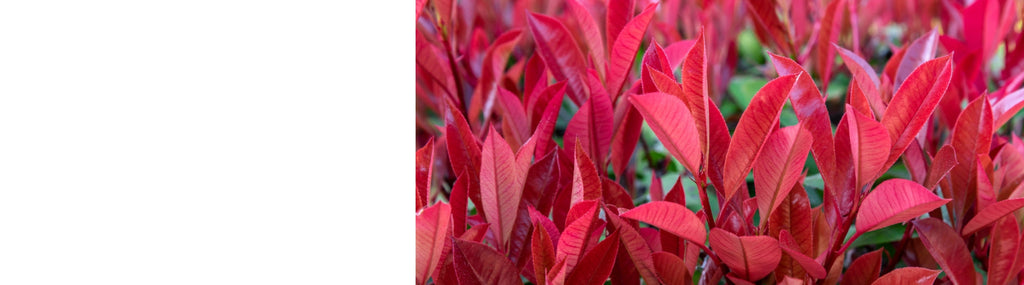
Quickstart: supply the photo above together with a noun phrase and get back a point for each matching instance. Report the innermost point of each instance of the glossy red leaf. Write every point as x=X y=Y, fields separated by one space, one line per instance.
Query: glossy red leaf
x=586 y=183
x=866 y=79
x=671 y=122
x=831 y=26
x=486 y=92
x=971 y=137
x=757 y=122
x=476 y=263
x=794 y=216
x=943 y=161
x=623 y=51
x=627 y=134
x=614 y=194
x=542 y=181
x=656 y=190
x=543 y=253
x=672 y=269
x=463 y=151
x=768 y=26
x=424 y=167
x=431 y=235
x=695 y=89
x=561 y=54
x=516 y=126
x=538 y=105
x=591 y=34
x=895 y=201
x=671 y=217
x=868 y=144
x=809 y=106
x=918 y=52
x=619 y=13
x=750 y=257
x=595 y=267
x=864 y=269
x=501 y=186
x=914 y=102
x=675 y=52
x=790 y=281
x=1008 y=106
x=459 y=202
x=1005 y=258
x=991 y=214
x=572 y=243
x=546 y=125
x=636 y=247
x=778 y=167
x=948 y=249
x=908 y=276
x=792 y=249
x=593 y=125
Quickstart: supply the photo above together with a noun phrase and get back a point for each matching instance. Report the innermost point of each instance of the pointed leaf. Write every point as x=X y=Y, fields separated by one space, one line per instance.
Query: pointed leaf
x=793 y=215
x=750 y=257
x=865 y=77
x=757 y=122
x=908 y=276
x=869 y=144
x=636 y=247
x=895 y=201
x=619 y=12
x=1005 y=258
x=948 y=250
x=671 y=122
x=778 y=167
x=1004 y=109
x=424 y=167
x=476 y=263
x=919 y=51
x=991 y=214
x=914 y=102
x=591 y=33
x=586 y=184
x=546 y=125
x=944 y=161
x=595 y=267
x=789 y=245
x=809 y=106
x=672 y=269
x=572 y=243
x=459 y=202
x=864 y=269
x=831 y=27
x=543 y=252
x=561 y=54
x=623 y=51
x=431 y=232
x=593 y=125
x=671 y=217
x=501 y=186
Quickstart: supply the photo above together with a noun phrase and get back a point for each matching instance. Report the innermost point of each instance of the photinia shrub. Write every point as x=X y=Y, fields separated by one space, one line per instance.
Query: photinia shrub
x=739 y=142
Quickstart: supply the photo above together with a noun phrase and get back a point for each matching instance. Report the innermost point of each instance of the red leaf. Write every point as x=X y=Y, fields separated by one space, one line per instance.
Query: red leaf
x=656 y=191
x=768 y=26
x=459 y=203
x=431 y=232
x=494 y=61
x=586 y=182
x=542 y=182
x=501 y=186
x=944 y=160
x=809 y=106
x=614 y=194
x=909 y=275
x=627 y=134
x=672 y=124
x=675 y=52
x=778 y=167
x=593 y=125
x=476 y=263
x=793 y=215
x=1004 y=109
x=757 y=122
x=948 y=250
x=895 y=201
x=543 y=252
x=868 y=144
x=619 y=14
x=971 y=137
x=424 y=167
x=596 y=265
x=866 y=79
x=538 y=105
x=591 y=34
x=636 y=247
x=561 y=54
x=572 y=243
x=546 y=125
x=919 y=51
x=672 y=269
x=514 y=116
x=914 y=102
x=831 y=26
x=623 y=51
x=991 y=214
x=864 y=269
x=695 y=90
x=1005 y=258
x=671 y=217
x=750 y=257
x=789 y=245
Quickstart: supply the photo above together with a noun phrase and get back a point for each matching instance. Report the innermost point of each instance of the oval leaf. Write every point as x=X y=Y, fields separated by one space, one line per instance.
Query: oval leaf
x=476 y=263
x=751 y=257
x=895 y=201
x=909 y=276
x=991 y=214
x=671 y=217
x=948 y=249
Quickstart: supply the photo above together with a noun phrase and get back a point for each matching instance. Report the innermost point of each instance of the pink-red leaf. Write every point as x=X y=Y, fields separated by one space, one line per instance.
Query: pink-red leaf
x=757 y=122
x=913 y=103
x=619 y=12
x=431 y=232
x=636 y=247
x=424 y=167
x=865 y=78
x=561 y=54
x=672 y=269
x=501 y=186
x=991 y=214
x=591 y=33
x=572 y=243
x=750 y=257
x=1005 y=258
x=671 y=217
x=789 y=245
x=1004 y=109
x=476 y=263
x=671 y=122
x=586 y=184
x=809 y=106
x=864 y=269
x=919 y=51
x=768 y=26
x=623 y=51
x=778 y=167
x=831 y=26
x=948 y=249
x=895 y=201
x=595 y=267
x=908 y=276
x=593 y=125
x=944 y=160
x=543 y=252
x=868 y=144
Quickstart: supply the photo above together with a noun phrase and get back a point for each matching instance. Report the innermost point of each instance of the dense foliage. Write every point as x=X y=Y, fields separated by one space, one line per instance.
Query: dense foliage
x=682 y=142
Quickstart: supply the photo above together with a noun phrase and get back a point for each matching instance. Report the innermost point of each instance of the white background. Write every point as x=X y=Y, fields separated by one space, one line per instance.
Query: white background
x=206 y=142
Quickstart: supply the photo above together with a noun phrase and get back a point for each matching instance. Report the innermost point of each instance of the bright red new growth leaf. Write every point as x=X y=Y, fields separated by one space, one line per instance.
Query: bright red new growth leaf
x=895 y=201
